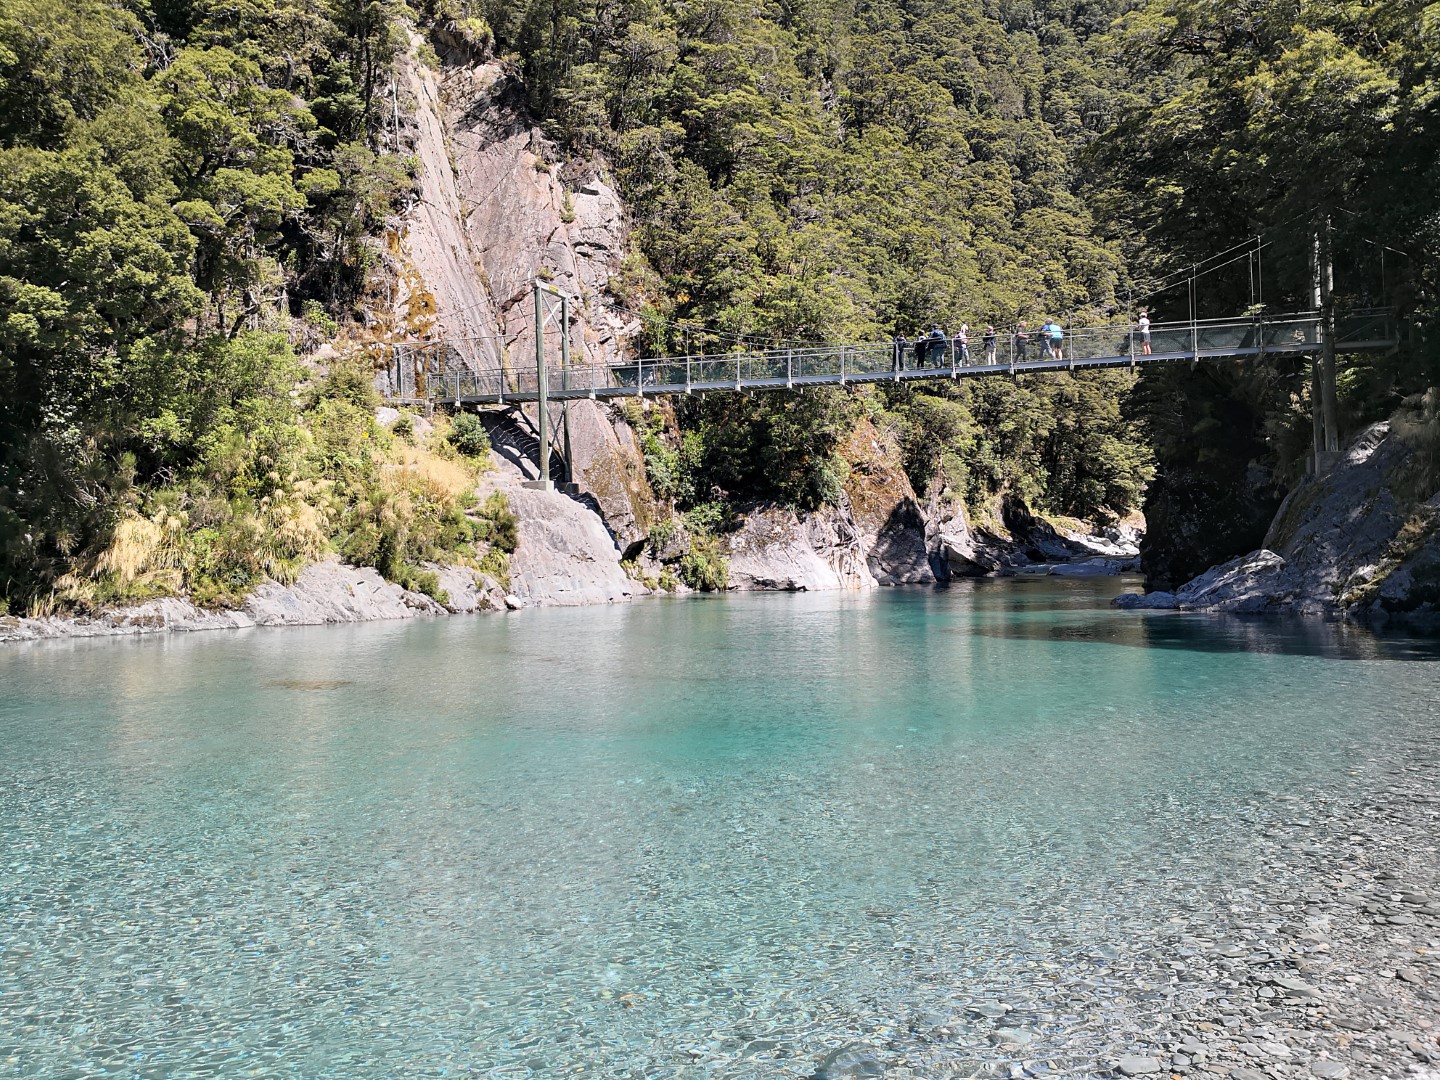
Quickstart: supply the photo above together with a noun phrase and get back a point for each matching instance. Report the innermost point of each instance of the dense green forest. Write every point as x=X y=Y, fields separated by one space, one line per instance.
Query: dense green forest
x=192 y=192
x=811 y=172
x=187 y=192
x=823 y=171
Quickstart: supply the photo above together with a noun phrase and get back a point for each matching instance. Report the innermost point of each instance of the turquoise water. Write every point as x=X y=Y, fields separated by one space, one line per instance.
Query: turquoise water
x=707 y=837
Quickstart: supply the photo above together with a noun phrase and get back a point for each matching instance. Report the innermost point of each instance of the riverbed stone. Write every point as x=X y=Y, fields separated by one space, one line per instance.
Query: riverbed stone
x=1136 y=1065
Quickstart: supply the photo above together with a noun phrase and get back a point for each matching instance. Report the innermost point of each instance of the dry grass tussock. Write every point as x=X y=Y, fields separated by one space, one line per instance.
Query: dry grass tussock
x=449 y=477
x=145 y=557
x=295 y=530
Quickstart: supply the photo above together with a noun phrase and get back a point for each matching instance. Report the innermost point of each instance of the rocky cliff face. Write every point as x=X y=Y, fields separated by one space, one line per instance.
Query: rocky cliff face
x=1197 y=517
x=878 y=534
x=1360 y=540
x=494 y=213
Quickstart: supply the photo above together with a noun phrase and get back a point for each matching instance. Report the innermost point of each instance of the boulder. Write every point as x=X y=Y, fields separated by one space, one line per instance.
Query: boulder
x=565 y=556
x=775 y=548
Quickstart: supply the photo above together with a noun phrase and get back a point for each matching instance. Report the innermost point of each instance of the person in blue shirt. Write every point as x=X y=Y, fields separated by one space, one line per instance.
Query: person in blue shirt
x=1057 y=341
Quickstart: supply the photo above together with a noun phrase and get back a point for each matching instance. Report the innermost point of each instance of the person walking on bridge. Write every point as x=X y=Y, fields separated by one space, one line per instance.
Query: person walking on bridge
x=1021 y=340
x=1043 y=335
x=962 y=344
x=1057 y=340
x=901 y=344
x=989 y=341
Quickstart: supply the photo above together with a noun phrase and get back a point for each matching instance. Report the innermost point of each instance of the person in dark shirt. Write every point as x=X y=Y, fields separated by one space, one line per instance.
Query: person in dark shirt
x=901 y=344
x=935 y=349
x=989 y=341
x=1021 y=340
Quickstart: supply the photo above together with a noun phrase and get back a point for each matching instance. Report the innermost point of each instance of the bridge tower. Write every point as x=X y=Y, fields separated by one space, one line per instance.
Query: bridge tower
x=541 y=289
x=1324 y=399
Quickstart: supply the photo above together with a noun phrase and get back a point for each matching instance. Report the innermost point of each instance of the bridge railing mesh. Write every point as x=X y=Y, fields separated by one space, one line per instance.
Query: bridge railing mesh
x=877 y=360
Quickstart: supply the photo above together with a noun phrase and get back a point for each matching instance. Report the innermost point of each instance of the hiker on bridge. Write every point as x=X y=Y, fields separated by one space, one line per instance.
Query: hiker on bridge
x=1021 y=340
x=1057 y=340
x=935 y=347
x=961 y=345
x=989 y=342
x=1144 y=327
x=901 y=343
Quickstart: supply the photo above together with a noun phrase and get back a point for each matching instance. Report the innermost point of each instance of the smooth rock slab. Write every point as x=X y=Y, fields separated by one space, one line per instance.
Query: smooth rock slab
x=1135 y=1065
x=1329 y=1070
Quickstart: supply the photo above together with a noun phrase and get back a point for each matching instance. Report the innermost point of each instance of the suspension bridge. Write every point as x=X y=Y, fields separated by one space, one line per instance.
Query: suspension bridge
x=1115 y=346
x=1318 y=335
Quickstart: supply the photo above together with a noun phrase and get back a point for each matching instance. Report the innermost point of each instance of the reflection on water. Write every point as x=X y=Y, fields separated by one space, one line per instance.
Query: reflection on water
x=703 y=837
x=1202 y=631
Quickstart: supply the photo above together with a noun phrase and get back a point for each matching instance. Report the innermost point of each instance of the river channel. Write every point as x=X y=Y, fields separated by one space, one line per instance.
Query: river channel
x=960 y=832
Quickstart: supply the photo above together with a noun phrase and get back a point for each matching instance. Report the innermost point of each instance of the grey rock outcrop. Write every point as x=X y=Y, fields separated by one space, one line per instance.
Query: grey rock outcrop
x=1342 y=543
x=776 y=548
x=565 y=556
x=1244 y=584
x=332 y=592
x=899 y=540
x=495 y=213
x=326 y=592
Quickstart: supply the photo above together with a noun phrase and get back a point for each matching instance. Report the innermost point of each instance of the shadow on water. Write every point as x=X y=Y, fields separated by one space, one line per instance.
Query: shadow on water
x=1078 y=611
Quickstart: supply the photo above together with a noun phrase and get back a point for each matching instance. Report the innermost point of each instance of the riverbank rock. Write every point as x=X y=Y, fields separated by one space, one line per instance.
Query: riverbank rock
x=1353 y=541
x=326 y=592
x=778 y=549
x=151 y=617
x=565 y=557
x=901 y=545
x=333 y=592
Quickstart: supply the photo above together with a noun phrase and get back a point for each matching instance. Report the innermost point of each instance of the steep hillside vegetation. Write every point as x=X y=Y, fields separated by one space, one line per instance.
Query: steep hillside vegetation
x=823 y=172
x=1282 y=117
x=187 y=192
x=191 y=194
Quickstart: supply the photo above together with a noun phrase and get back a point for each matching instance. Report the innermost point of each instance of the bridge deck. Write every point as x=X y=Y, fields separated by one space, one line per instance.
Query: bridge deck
x=1100 y=347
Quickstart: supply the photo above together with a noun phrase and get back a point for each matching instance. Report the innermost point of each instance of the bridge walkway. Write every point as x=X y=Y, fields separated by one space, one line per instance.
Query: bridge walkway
x=1091 y=347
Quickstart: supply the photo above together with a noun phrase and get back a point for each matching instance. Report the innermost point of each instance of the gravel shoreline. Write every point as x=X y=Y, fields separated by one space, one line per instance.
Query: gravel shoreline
x=1335 y=972
x=1321 y=960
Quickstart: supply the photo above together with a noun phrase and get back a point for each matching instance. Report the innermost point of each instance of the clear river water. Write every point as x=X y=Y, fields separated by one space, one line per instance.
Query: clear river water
x=722 y=837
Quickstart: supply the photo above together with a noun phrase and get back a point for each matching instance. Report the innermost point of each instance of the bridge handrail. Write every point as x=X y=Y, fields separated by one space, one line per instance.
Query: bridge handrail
x=840 y=362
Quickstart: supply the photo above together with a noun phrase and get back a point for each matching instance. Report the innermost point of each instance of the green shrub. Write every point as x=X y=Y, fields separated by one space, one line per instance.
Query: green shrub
x=496 y=563
x=404 y=428
x=427 y=582
x=704 y=566
x=498 y=525
x=467 y=435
